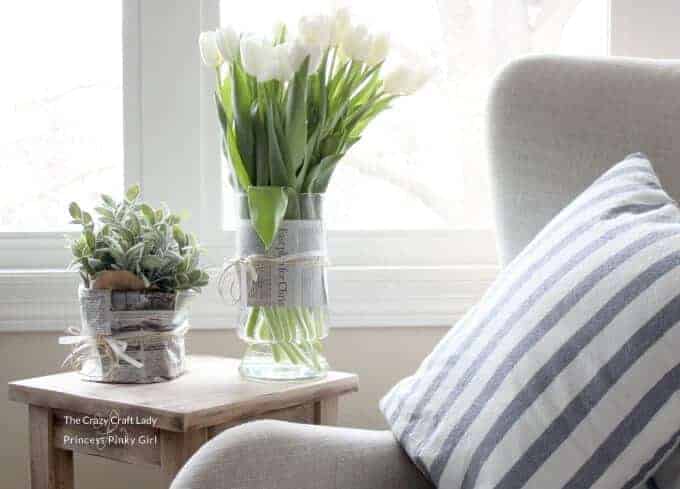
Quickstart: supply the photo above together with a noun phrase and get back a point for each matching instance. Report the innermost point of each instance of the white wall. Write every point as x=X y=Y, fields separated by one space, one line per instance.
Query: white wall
x=380 y=356
x=647 y=29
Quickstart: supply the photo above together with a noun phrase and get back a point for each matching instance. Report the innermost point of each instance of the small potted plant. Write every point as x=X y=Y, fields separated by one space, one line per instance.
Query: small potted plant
x=139 y=271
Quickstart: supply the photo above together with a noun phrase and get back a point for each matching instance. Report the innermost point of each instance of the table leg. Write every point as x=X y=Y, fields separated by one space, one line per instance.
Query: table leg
x=177 y=448
x=50 y=467
x=326 y=411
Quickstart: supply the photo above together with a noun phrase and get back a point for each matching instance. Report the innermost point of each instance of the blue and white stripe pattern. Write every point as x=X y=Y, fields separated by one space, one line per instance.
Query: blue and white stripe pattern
x=566 y=373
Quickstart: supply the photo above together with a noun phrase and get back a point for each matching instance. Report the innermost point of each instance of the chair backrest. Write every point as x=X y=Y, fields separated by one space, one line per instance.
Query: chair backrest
x=556 y=123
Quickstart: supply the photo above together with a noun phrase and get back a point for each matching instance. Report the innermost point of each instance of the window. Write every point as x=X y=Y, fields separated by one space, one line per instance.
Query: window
x=410 y=164
x=85 y=110
x=61 y=110
x=586 y=32
x=425 y=157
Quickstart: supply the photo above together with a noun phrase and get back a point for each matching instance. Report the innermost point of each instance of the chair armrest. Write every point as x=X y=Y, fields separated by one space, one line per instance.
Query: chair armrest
x=280 y=455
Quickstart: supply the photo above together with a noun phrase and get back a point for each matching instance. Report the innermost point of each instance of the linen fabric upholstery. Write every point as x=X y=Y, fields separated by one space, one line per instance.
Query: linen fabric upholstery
x=556 y=122
x=280 y=455
x=565 y=374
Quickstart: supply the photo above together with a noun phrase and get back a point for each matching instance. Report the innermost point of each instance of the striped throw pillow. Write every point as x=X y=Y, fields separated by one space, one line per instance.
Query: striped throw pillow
x=566 y=373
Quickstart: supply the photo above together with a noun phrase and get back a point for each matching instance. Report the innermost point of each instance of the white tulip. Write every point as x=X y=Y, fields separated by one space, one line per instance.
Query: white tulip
x=278 y=30
x=356 y=43
x=285 y=64
x=380 y=46
x=404 y=80
x=207 y=43
x=315 y=30
x=296 y=52
x=340 y=22
x=290 y=56
x=228 y=43
x=314 y=53
x=259 y=58
x=299 y=51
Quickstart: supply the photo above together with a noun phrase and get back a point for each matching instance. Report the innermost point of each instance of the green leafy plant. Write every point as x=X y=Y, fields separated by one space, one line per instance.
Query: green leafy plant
x=132 y=236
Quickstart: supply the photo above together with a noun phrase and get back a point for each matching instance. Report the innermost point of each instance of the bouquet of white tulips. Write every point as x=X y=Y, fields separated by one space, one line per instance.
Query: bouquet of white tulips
x=290 y=108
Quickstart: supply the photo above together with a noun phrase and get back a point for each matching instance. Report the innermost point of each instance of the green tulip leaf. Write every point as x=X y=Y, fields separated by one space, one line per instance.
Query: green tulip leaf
x=221 y=114
x=241 y=102
x=319 y=176
x=277 y=166
x=236 y=161
x=296 y=119
x=261 y=148
x=267 y=209
x=226 y=99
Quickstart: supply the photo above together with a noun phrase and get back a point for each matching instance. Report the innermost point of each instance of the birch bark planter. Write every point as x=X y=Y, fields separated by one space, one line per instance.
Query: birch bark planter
x=130 y=336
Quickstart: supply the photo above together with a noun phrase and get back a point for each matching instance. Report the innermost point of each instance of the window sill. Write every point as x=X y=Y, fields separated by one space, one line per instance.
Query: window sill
x=46 y=300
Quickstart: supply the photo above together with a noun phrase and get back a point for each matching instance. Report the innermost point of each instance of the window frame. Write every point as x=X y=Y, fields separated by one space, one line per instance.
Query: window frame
x=350 y=248
x=46 y=249
x=163 y=134
x=172 y=146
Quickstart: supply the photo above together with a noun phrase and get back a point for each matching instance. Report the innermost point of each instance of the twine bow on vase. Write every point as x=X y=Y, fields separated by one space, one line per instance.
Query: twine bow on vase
x=239 y=270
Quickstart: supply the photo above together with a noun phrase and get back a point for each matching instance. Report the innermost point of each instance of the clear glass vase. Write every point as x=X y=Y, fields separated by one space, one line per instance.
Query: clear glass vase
x=284 y=305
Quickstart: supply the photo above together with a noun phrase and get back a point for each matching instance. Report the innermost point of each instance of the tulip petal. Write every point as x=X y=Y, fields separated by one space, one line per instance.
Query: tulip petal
x=210 y=54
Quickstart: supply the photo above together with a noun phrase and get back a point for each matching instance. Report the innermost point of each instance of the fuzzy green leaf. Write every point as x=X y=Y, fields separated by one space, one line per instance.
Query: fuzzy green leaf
x=179 y=236
x=132 y=193
x=134 y=250
x=173 y=219
x=75 y=211
x=148 y=213
x=89 y=239
x=134 y=225
x=108 y=200
x=151 y=261
x=104 y=212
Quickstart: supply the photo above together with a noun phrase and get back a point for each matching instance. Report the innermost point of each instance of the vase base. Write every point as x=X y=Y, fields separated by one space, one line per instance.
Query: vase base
x=259 y=364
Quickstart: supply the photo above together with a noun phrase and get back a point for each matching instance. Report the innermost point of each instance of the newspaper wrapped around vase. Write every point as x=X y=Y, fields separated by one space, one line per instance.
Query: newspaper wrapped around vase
x=283 y=293
x=130 y=336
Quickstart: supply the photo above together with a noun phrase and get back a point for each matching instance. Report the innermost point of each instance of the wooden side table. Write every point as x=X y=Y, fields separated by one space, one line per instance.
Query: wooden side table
x=158 y=424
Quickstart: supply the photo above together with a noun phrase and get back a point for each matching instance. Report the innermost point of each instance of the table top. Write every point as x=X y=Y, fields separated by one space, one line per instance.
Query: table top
x=211 y=392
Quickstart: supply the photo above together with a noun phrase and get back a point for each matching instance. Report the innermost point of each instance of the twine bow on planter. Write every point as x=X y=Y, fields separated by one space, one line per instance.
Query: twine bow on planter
x=86 y=346
x=109 y=350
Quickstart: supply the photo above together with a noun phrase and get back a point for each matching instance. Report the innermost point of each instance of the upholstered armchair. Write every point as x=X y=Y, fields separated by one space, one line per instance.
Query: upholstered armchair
x=554 y=125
